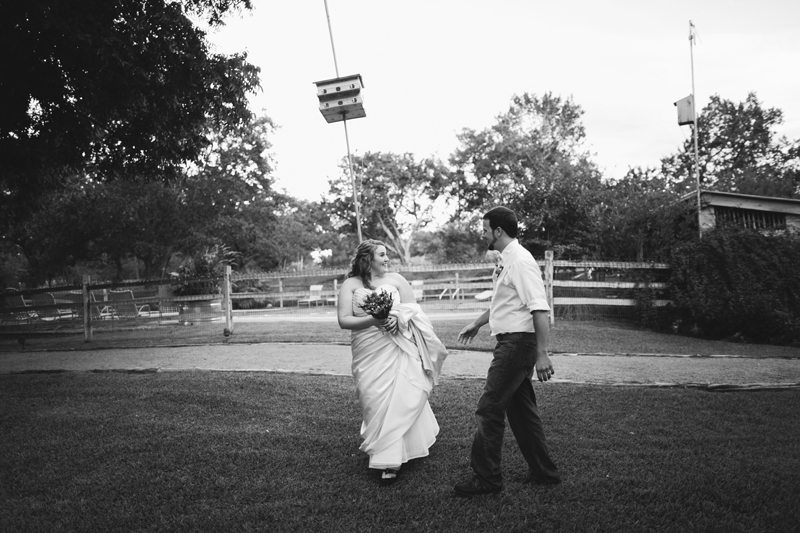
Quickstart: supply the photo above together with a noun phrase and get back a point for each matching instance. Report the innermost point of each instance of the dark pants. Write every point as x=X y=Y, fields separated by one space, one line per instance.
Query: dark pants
x=509 y=392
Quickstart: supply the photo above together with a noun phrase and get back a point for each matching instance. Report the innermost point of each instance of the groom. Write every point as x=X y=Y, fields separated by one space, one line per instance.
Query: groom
x=518 y=318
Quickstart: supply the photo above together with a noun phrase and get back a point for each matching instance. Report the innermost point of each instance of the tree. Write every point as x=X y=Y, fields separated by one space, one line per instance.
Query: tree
x=738 y=152
x=105 y=223
x=141 y=222
x=300 y=228
x=229 y=190
x=456 y=241
x=398 y=198
x=638 y=218
x=225 y=199
x=531 y=160
x=109 y=90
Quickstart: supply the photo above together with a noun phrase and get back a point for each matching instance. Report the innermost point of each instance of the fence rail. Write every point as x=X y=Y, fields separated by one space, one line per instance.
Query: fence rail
x=575 y=289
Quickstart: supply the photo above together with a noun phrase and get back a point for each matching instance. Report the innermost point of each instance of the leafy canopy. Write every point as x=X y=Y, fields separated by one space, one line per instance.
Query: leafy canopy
x=397 y=198
x=738 y=151
x=112 y=88
x=531 y=160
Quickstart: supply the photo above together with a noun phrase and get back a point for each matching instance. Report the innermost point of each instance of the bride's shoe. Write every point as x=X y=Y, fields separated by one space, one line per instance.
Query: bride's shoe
x=389 y=475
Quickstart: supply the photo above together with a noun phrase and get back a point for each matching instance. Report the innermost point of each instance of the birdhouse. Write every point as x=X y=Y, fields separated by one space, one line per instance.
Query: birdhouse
x=685 y=110
x=341 y=98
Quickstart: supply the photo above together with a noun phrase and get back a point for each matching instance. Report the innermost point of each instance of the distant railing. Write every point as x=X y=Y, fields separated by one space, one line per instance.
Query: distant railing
x=589 y=283
x=575 y=290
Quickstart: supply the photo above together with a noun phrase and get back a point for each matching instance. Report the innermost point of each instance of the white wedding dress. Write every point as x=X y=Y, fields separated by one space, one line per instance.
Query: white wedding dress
x=393 y=390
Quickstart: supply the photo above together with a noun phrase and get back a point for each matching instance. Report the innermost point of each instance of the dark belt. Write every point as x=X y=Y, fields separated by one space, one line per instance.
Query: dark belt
x=516 y=336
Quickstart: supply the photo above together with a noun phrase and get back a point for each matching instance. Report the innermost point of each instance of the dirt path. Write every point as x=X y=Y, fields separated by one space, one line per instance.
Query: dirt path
x=739 y=372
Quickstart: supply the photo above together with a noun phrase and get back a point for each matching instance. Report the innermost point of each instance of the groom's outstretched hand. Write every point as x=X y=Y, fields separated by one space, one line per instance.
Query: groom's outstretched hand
x=468 y=333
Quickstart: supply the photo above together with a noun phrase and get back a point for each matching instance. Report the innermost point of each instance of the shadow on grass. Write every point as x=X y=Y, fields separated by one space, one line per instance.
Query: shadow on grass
x=195 y=451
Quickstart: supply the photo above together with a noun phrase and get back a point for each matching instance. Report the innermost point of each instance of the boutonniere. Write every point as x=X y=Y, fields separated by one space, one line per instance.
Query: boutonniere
x=497 y=270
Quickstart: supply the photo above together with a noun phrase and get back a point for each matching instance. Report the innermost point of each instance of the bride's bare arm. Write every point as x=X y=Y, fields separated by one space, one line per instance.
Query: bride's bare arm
x=345 y=309
x=406 y=296
x=406 y=293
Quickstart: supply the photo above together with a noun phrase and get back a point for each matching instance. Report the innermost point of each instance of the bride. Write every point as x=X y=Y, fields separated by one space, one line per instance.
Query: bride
x=396 y=362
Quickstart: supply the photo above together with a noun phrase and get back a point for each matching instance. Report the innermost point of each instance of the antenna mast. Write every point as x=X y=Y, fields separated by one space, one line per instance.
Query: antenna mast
x=694 y=125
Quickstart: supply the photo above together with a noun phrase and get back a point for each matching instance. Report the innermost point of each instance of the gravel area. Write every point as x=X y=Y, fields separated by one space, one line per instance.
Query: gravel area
x=334 y=359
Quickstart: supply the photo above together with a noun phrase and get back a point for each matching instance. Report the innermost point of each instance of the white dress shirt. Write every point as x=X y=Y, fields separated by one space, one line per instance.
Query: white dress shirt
x=518 y=290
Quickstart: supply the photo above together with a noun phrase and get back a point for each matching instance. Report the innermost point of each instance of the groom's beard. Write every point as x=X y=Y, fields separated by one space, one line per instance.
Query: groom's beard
x=491 y=244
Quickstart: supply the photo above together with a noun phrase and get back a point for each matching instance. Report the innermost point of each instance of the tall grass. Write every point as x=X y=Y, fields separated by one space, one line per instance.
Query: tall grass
x=194 y=451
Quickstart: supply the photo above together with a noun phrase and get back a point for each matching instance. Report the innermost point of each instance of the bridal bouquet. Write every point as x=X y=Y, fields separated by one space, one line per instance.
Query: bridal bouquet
x=378 y=304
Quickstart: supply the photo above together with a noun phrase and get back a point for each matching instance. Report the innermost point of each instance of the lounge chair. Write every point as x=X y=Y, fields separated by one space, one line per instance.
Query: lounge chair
x=416 y=288
x=17 y=313
x=124 y=305
x=76 y=302
x=47 y=307
x=484 y=295
x=100 y=307
x=314 y=296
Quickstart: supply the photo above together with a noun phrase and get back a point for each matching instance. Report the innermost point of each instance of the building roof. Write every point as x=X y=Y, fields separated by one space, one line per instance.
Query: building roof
x=746 y=201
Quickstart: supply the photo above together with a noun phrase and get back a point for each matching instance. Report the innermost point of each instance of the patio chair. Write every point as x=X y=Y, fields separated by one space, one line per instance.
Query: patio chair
x=76 y=302
x=314 y=296
x=99 y=307
x=484 y=295
x=416 y=288
x=17 y=303
x=47 y=307
x=124 y=305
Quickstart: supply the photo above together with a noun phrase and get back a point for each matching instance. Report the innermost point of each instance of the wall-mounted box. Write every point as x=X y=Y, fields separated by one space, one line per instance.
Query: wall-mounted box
x=685 y=110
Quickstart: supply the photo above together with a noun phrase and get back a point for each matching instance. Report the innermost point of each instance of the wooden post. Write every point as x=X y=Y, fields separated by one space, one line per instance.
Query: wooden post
x=227 y=305
x=455 y=293
x=548 y=283
x=87 y=314
x=280 y=290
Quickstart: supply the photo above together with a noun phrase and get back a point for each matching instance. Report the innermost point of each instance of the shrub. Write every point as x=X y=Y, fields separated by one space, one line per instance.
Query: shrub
x=740 y=284
x=202 y=273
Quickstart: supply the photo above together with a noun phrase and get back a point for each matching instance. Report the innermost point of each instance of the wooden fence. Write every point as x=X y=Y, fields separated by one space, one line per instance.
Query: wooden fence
x=575 y=289
x=569 y=284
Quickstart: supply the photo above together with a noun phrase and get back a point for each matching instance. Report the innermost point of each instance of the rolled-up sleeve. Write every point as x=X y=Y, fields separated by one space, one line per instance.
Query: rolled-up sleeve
x=526 y=276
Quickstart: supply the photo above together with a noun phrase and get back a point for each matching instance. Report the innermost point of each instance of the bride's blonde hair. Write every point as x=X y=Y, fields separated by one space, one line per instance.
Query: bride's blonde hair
x=361 y=265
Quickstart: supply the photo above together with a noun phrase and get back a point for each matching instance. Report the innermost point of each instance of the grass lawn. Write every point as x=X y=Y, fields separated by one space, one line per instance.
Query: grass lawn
x=201 y=451
x=566 y=337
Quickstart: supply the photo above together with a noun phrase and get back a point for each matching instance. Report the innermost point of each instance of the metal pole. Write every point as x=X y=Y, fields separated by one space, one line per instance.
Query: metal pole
x=346 y=136
x=353 y=180
x=694 y=128
x=330 y=32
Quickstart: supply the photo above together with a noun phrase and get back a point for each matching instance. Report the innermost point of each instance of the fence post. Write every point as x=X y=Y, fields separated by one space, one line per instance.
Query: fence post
x=548 y=283
x=87 y=315
x=280 y=290
x=455 y=292
x=227 y=306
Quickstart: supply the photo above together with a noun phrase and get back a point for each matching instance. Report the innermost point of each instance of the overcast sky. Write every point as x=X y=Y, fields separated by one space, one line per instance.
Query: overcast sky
x=433 y=67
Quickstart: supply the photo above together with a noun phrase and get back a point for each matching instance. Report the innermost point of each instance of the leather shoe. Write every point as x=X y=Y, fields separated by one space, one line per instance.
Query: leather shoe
x=474 y=487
